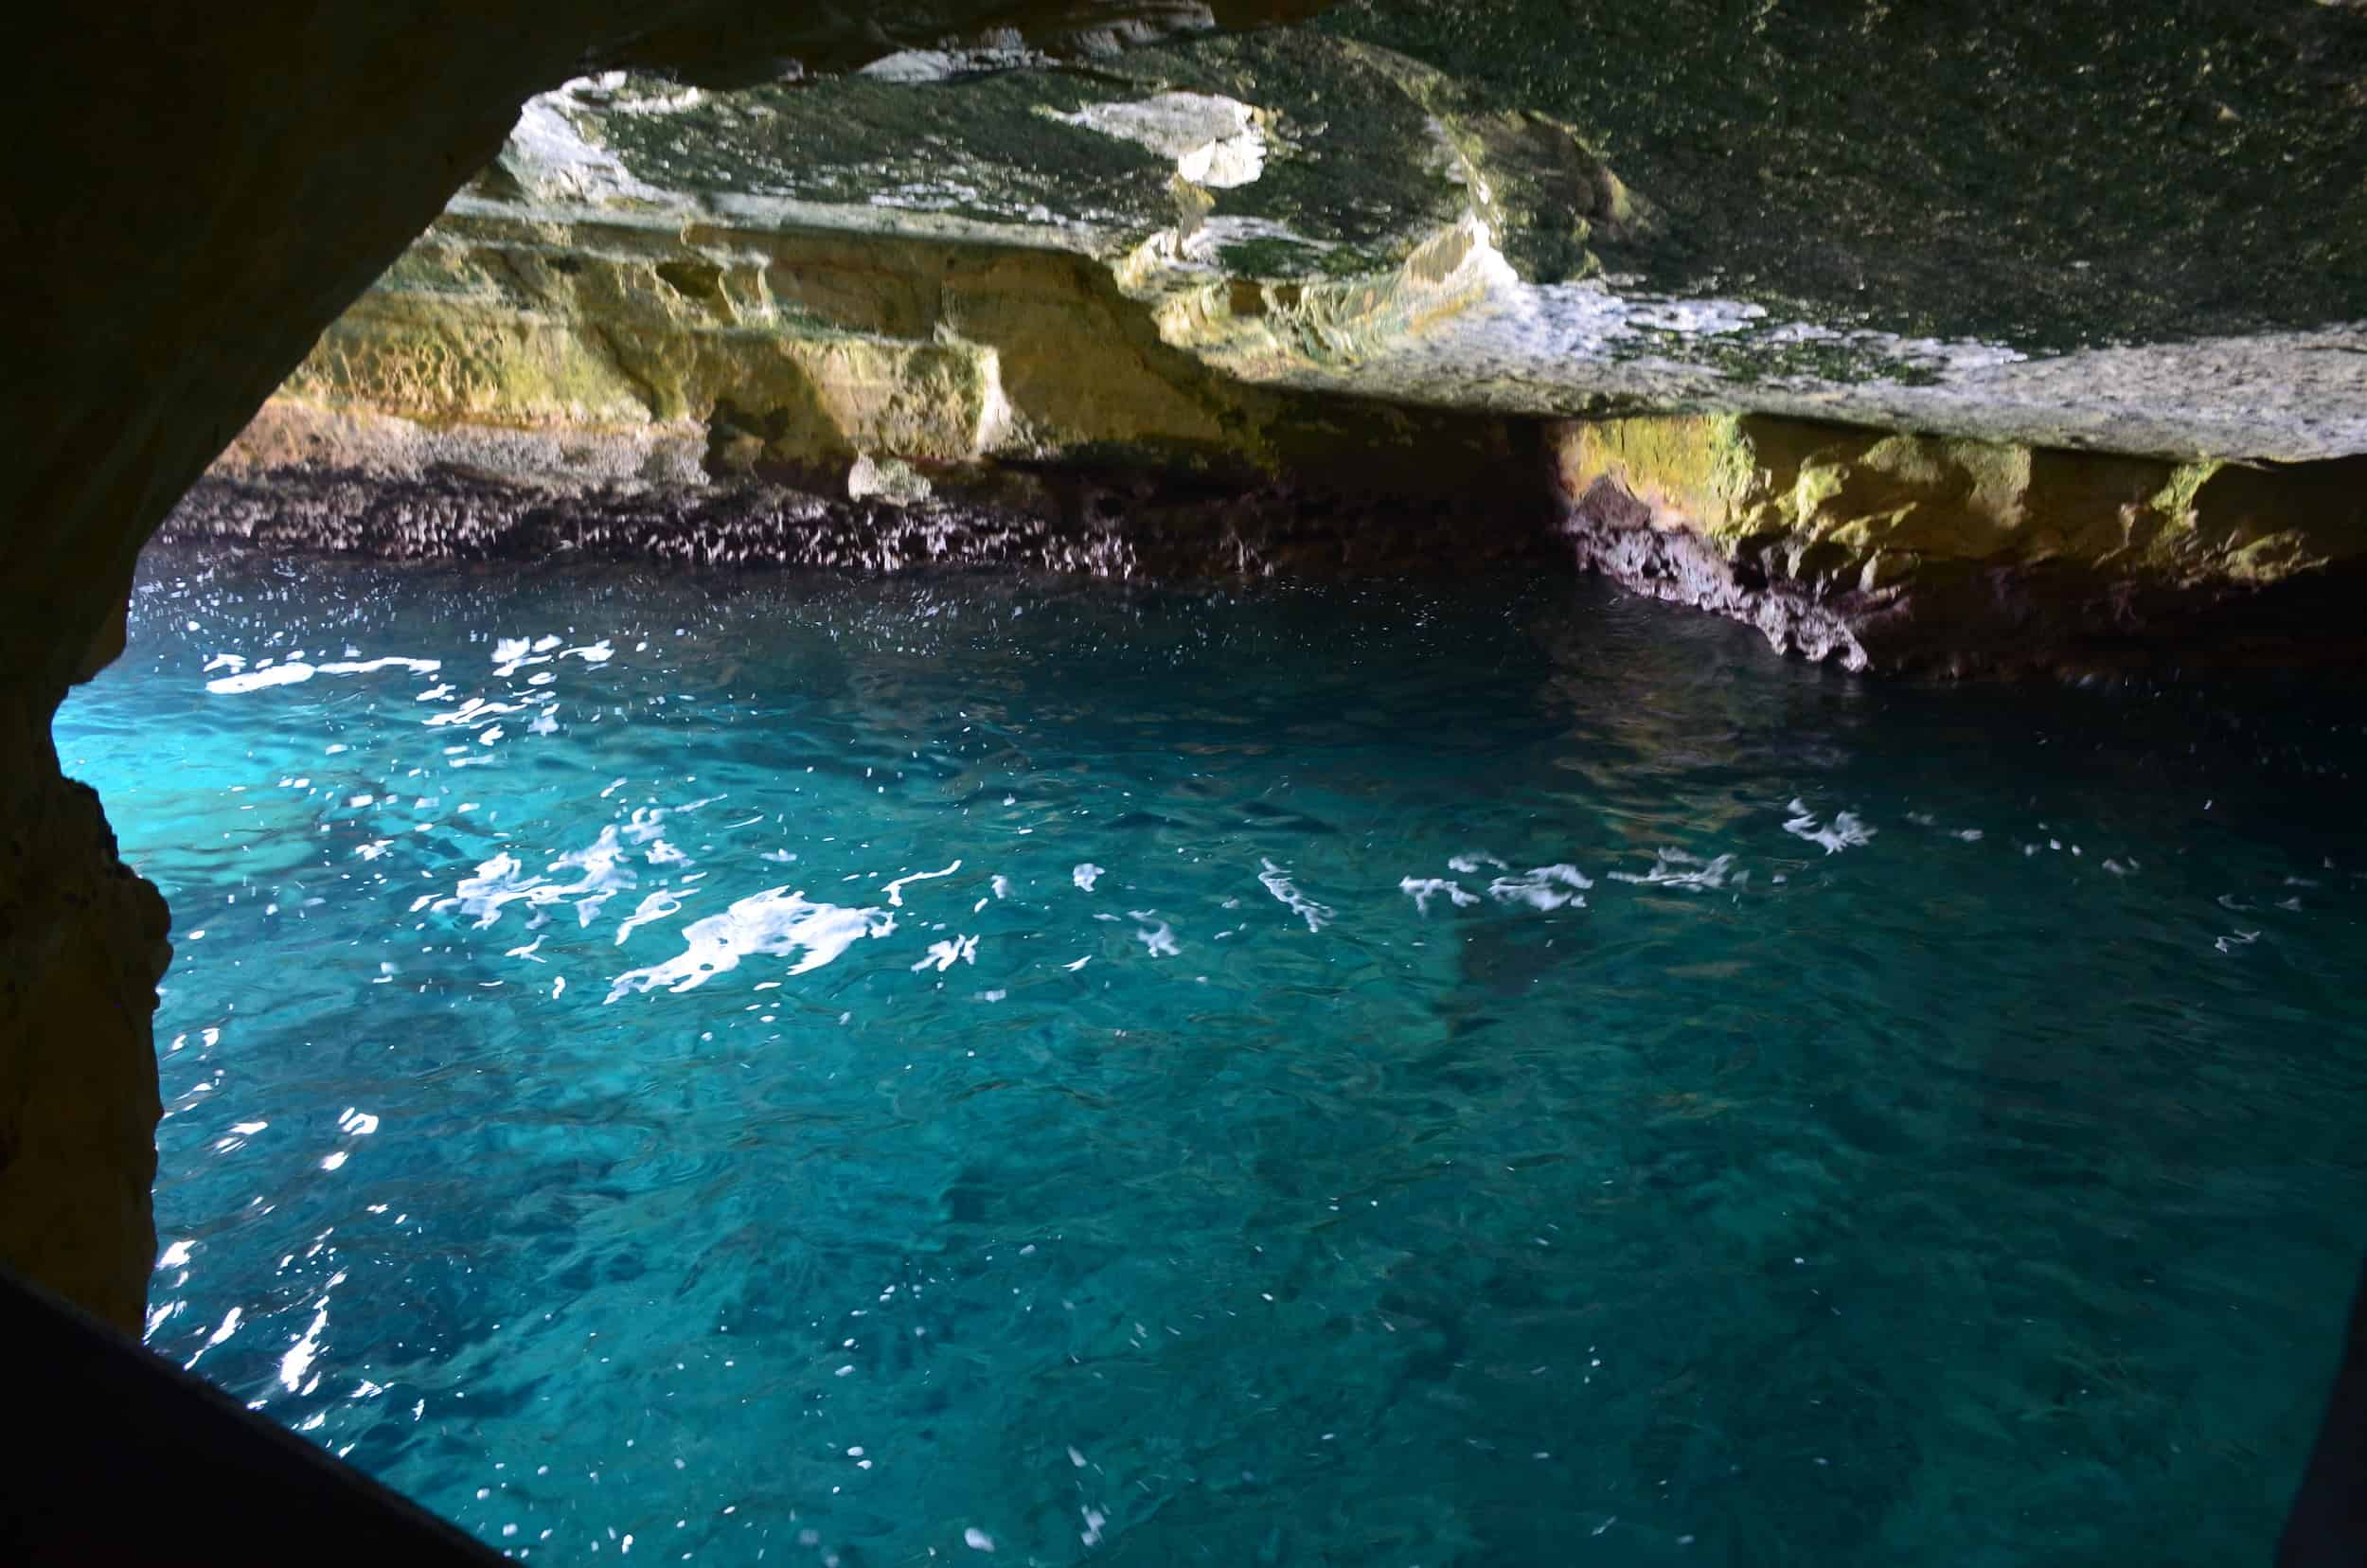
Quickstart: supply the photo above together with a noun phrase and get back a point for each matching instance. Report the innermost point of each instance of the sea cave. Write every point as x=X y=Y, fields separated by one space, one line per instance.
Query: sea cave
x=1408 y=782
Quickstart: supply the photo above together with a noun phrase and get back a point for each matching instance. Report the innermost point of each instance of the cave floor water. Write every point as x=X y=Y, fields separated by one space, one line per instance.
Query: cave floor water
x=848 y=1072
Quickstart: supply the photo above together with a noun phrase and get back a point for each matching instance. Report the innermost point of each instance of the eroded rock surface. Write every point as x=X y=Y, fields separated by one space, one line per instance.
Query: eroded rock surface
x=1896 y=551
x=1435 y=208
x=1312 y=260
x=84 y=941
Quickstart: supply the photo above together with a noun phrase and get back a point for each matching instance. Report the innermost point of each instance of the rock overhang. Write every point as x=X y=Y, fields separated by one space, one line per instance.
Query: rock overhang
x=1280 y=202
x=1363 y=249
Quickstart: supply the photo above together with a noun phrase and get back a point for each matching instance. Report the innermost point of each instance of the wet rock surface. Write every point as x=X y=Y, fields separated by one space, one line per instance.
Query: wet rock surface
x=1118 y=527
x=1901 y=552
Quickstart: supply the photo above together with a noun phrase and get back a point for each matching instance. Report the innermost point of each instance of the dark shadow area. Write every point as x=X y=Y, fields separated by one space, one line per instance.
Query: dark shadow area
x=136 y=1461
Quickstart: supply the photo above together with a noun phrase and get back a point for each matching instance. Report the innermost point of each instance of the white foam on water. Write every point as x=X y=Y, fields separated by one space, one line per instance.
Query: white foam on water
x=1676 y=868
x=1423 y=889
x=773 y=924
x=896 y=888
x=1846 y=832
x=649 y=821
x=944 y=956
x=497 y=882
x=473 y=710
x=255 y=679
x=1277 y=882
x=295 y=670
x=501 y=881
x=657 y=906
x=392 y=661
x=604 y=876
x=1544 y=887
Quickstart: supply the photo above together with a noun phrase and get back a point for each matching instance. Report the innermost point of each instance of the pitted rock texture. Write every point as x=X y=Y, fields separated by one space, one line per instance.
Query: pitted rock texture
x=621 y=353
x=1433 y=209
x=1917 y=552
x=1121 y=528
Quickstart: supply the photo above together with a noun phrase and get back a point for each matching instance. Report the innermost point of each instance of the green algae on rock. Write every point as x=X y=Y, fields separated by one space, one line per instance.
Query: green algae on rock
x=1896 y=550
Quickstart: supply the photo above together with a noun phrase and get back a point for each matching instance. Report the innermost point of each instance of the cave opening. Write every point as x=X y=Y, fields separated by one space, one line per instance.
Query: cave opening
x=955 y=784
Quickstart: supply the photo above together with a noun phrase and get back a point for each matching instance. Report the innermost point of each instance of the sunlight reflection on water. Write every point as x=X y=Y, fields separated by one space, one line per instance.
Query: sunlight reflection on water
x=853 y=1069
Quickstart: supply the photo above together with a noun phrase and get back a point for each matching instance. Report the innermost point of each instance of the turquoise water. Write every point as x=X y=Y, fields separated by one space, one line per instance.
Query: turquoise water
x=846 y=1071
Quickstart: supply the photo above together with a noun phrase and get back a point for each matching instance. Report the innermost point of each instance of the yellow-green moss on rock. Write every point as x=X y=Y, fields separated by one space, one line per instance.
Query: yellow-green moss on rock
x=1869 y=507
x=604 y=352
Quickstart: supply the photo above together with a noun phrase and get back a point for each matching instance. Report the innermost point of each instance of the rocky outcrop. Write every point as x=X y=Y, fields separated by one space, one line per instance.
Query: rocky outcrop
x=1113 y=526
x=1898 y=552
x=1302 y=260
x=598 y=353
x=981 y=253
x=85 y=944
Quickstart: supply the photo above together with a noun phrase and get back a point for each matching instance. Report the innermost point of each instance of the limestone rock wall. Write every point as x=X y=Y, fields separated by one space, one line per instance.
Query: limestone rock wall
x=1890 y=550
x=610 y=354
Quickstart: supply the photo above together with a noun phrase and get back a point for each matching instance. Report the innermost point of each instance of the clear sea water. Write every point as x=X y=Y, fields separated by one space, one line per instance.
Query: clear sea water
x=1532 y=1079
